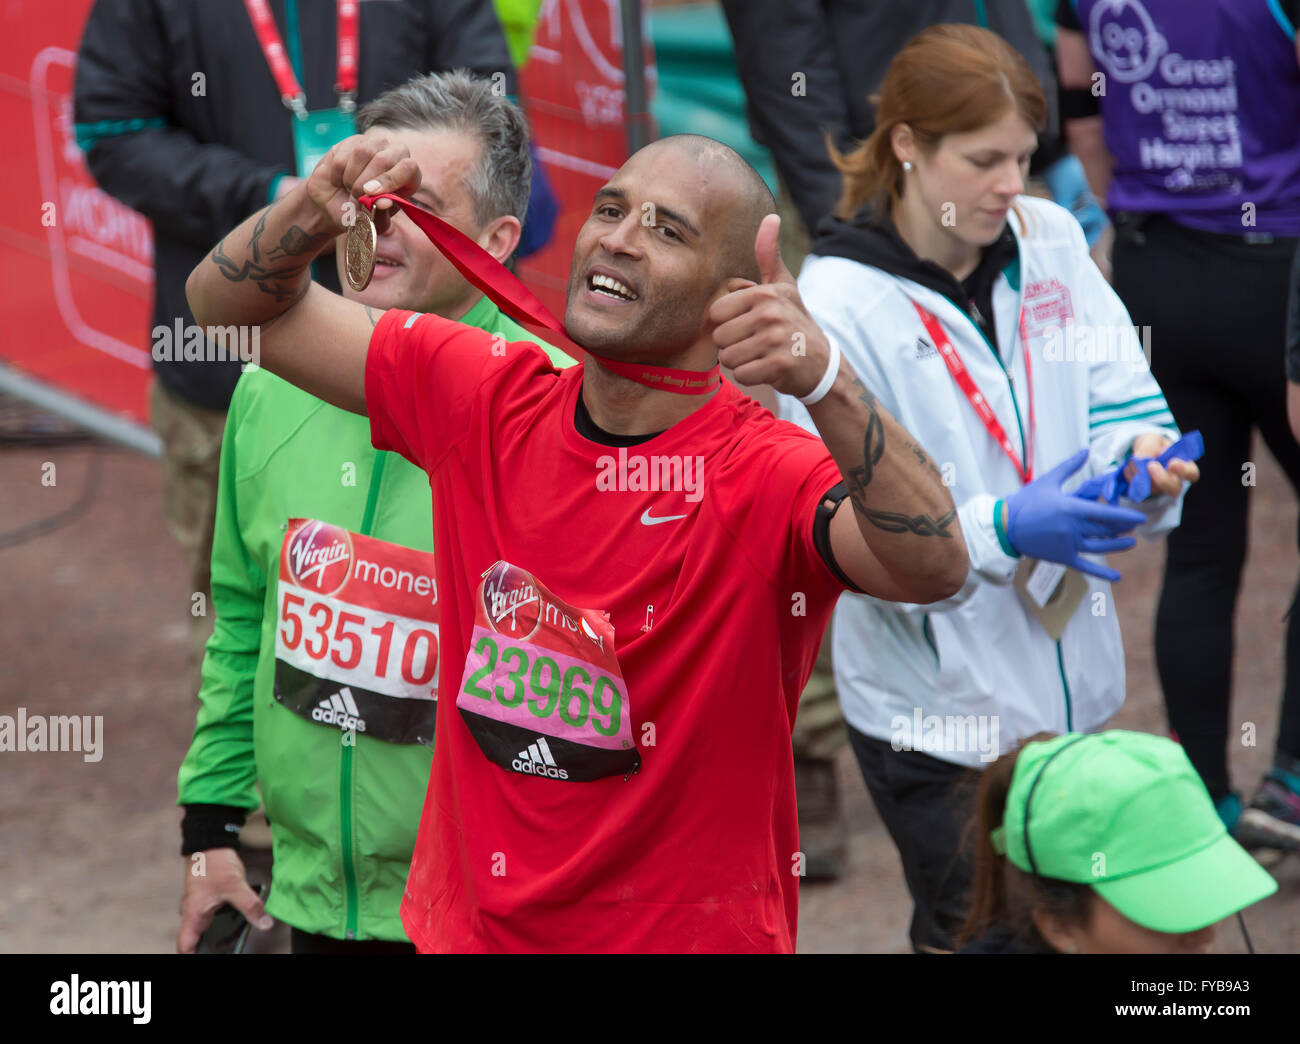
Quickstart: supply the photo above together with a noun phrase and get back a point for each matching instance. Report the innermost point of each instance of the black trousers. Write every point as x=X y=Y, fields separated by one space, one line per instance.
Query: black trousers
x=1217 y=311
x=927 y=806
x=306 y=942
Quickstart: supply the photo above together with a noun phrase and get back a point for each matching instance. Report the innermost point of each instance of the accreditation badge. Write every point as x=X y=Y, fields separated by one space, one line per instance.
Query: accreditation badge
x=542 y=693
x=317 y=134
x=356 y=647
x=1051 y=592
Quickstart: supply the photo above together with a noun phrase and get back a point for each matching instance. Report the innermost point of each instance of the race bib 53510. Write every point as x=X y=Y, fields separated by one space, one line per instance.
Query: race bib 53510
x=356 y=647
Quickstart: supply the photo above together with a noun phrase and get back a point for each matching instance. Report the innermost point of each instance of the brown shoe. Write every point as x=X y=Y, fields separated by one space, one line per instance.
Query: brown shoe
x=821 y=823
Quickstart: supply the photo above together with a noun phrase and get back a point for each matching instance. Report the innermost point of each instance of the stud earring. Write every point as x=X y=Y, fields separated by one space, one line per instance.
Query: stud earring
x=907 y=164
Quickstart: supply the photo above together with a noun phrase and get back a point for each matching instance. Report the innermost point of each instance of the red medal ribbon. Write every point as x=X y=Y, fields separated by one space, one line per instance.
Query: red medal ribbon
x=976 y=398
x=505 y=290
x=268 y=37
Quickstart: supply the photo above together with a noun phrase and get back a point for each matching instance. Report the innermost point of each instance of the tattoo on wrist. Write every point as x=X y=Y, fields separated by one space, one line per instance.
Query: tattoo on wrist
x=294 y=243
x=292 y=256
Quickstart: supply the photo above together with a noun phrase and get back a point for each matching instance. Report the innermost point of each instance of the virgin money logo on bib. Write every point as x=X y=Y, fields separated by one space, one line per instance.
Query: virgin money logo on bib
x=510 y=601
x=356 y=641
x=320 y=557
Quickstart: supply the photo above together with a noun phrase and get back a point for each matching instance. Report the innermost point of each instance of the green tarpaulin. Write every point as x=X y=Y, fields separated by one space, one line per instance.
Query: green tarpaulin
x=698 y=90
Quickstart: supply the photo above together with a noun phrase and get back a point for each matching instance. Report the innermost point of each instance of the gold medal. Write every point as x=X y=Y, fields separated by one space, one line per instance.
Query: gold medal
x=359 y=250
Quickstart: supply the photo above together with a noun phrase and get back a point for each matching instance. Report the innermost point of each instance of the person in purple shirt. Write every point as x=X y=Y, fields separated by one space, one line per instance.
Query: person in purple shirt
x=1194 y=136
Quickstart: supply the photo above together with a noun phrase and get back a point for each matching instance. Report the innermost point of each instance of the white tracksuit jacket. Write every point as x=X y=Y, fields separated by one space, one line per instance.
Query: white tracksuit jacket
x=981 y=652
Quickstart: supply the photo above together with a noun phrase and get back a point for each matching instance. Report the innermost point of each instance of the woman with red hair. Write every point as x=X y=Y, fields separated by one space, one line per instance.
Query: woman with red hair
x=975 y=315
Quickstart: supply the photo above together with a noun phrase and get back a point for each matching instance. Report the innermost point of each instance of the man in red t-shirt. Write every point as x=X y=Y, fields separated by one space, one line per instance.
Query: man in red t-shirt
x=636 y=578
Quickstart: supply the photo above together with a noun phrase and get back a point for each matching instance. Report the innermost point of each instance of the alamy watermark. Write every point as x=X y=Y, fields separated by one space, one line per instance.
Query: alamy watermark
x=37 y=733
x=1090 y=343
x=638 y=473
x=131 y=997
x=185 y=342
x=948 y=733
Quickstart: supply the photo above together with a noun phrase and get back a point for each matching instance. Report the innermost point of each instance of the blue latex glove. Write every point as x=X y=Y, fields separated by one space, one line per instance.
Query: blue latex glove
x=1113 y=485
x=1068 y=185
x=1043 y=522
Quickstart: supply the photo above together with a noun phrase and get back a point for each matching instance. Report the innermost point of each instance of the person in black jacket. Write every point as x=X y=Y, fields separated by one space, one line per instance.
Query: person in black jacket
x=1293 y=349
x=180 y=117
x=1207 y=226
x=809 y=66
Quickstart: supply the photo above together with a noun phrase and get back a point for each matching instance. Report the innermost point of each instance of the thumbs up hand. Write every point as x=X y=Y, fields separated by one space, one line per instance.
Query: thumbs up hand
x=767 y=251
x=763 y=331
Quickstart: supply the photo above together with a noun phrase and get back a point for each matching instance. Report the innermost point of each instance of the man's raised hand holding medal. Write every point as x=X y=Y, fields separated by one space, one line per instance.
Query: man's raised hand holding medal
x=276 y=255
x=357 y=166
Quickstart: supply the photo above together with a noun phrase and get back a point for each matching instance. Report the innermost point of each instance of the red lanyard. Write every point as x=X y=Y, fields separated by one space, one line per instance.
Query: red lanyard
x=976 y=398
x=291 y=92
x=510 y=295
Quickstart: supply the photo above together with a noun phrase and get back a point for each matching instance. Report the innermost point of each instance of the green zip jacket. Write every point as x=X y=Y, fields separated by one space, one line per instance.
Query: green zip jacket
x=343 y=815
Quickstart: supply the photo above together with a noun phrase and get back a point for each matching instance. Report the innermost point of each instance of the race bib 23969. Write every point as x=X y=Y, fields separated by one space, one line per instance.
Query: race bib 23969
x=542 y=692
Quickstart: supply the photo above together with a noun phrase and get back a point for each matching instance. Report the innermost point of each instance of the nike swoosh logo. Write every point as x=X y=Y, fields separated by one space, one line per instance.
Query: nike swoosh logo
x=648 y=519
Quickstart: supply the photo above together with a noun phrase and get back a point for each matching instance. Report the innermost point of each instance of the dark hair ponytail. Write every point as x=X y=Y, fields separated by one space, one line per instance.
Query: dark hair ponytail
x=1002 y=895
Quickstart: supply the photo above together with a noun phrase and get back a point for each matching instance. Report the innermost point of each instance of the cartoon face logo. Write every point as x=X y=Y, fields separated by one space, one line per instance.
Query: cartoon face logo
x=320 y=557
x=511 y=601
x=1123 y=37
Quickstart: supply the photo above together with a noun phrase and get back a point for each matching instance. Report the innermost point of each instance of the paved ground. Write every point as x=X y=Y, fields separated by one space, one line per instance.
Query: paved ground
x=94 y=622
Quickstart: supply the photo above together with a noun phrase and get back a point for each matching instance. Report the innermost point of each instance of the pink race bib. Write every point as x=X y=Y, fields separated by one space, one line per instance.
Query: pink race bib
x=542 y=692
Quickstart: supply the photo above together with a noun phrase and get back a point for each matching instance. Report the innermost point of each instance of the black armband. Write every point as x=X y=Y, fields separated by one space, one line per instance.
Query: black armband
x=1078 y=103
x=829 y=504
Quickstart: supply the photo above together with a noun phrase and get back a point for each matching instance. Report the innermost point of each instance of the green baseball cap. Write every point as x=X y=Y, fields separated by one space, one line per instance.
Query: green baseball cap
x=1126 y=813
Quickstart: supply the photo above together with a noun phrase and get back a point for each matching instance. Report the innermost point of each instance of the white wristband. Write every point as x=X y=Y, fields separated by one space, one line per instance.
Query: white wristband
x=828 y=378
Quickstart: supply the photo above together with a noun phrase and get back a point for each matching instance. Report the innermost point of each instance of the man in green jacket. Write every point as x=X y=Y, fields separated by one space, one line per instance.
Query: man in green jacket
x=319 y=679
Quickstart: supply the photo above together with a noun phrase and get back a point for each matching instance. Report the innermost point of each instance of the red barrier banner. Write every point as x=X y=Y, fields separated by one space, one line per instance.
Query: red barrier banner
x=572 y=90
x=76 y=265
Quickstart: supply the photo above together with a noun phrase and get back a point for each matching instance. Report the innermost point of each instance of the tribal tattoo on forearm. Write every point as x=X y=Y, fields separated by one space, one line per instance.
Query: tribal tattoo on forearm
x=280 y=273
x=873 y=442
x=924 y=458
x=857 y=479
